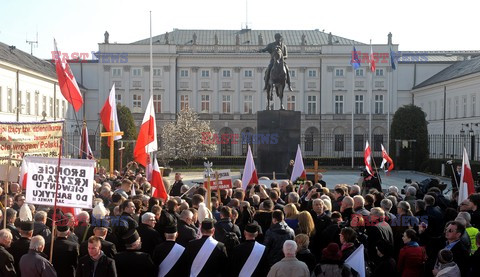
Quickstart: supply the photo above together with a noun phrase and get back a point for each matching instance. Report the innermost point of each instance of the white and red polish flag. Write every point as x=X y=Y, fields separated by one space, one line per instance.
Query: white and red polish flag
x=249 y=171
x=372 y=59
x=386 y=160
x=298 y=167
x=367 y=157
x=147 y=136
x=466 y=179
x=158 y=187
x=109 y=113
x=66 y=81
x=23 y=175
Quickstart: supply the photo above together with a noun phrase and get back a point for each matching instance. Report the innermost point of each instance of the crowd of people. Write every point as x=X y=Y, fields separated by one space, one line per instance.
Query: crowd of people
x=282 y=230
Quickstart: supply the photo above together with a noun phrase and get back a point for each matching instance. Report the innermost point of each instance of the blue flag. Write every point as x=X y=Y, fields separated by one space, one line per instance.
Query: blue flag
x=355 y=62
x=392 y=59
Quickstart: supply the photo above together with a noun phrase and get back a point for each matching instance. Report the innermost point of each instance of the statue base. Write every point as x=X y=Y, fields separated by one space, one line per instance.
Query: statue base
x=283 y=129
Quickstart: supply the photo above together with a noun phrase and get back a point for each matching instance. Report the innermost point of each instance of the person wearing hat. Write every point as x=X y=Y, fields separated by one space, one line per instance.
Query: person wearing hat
x=7 y=267
x=270 y=48
x=177 y=185
x=290 y=265
x=65 y=252
x=100 y=230
x=132 y=262
x=206 y=256
x=95 y=263
x=167 y=255
x=331 y=262
x=249 y=258
x=35 y=263
x=21 y=246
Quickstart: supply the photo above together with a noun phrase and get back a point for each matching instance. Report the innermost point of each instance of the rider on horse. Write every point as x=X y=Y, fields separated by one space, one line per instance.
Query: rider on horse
x=271 y=49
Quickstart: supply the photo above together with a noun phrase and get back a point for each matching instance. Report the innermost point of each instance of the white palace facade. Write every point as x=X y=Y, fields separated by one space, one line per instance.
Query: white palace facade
x=219 y=74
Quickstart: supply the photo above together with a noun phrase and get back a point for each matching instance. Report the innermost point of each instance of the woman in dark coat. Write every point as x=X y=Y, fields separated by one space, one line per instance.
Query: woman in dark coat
x=347 y=241
x=386 y=266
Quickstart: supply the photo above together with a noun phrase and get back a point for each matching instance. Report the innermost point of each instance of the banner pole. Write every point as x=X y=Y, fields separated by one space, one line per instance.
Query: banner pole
x=55 y=201
x=218 y=187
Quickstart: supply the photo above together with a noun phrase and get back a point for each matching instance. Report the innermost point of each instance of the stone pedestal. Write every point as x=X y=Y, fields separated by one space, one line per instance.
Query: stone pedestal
x=283 y=129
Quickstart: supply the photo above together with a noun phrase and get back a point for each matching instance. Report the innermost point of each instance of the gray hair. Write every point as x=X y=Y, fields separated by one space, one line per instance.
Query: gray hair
x=289 y=247
x=186 y=214
x=393 y=189
x=358 y=199
x=6 y=234
x=411 y=190
x=40 y=216
x=348 y=200
x=146 y=217
x=256 y=199
x=465 y=216
x=377 y=212
x=386 y=204
x=404 y=205
x=293 y=197
x=36 y=243
x=355 y=188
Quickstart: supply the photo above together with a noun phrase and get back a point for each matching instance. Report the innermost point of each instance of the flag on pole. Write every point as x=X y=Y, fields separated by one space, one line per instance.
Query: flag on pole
x=23 y=174
x=147 y=136
x=298 y=167
x=356 y=260
x=386 y=160
x=158 y=187
x=66 y=81
x=392 y=59
x=85 y=150
x=367 y=157
x=109 y=113
x=355 y=62
x=466 y=179
x=249 y=171
x=372 y=59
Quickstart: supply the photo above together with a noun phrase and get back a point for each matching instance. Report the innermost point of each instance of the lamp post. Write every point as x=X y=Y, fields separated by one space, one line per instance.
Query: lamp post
x=471 y=133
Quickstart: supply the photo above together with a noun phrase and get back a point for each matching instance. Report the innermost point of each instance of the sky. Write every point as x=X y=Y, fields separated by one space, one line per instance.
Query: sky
x=78 y=26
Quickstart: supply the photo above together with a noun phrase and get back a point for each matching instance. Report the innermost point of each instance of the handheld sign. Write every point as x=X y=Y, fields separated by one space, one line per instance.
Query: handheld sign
x=224 y=180
x=75 y=184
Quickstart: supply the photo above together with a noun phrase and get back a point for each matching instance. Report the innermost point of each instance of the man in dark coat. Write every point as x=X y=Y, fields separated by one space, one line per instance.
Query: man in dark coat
x=95 y=263
x=225 y=225
x=21 y=246
x=171 y=266
x=186 y=233
x=150 y=236
x=216 y=264
x=379 y=230
x=132 y=262
x=7 y=268
x=177 y=185
x=39 y=226
x=321 y=221
x=125 y=224
x=108 y=248
x=35 y=263
x=65 y=252
x=241 y=253
x=453 y=232
x=11 y=218
x=275 y=236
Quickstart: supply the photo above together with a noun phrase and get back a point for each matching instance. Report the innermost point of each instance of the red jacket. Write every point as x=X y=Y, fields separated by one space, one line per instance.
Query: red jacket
x=411 y=261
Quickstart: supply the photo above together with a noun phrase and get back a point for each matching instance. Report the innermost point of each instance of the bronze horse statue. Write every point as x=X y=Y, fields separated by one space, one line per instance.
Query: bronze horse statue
x=278 y=78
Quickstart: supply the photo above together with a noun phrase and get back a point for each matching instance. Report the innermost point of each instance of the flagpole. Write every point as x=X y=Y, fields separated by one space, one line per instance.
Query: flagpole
x=151 y=57
x=55 y=199
x=370 y=99
x=353 y=108
x=388 y=108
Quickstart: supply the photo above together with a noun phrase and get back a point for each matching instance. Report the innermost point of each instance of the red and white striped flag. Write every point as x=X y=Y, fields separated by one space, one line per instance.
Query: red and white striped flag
x=466 y=179
x=158 y=187
x=109 y=113
x=298 y=167
x=386 y=160
x=23 y=174
x=367 y=157
x=249 y=171
x=147 y=136
x=66 y=81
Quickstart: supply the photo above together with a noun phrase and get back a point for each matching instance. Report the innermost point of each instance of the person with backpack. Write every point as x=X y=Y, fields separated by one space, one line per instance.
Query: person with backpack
x=227 y=232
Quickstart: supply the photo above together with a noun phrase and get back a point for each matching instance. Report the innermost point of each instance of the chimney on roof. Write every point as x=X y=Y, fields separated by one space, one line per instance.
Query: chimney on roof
x=389 y=38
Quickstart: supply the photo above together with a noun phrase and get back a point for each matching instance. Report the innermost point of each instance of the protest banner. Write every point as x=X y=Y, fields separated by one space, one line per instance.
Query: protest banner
x=224 y=180
x=29 y=138
x=75 y=182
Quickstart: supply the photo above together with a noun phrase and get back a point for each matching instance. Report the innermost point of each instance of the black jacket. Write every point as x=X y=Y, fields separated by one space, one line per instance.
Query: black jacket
x=7 y=268
x=134 y=263
x=108 y=248
x=18 y=249
x=150 y=238
x=275 y=236
x=216 y=264
x=225 y=225
x=161 y=252
x=41 y=229
x=381 y=231
x=185 y=233
x=105 y=267
x=175 y=191
x=65 y=256
x=239 y=256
